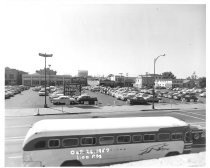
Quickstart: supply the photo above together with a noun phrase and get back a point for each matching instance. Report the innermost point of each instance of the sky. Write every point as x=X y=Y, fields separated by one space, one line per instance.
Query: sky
x=105 y=38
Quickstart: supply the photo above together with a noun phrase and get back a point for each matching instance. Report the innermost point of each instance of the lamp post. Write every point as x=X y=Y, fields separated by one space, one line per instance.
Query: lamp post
x=49 y=74
x=153 y=102
x=45 y=56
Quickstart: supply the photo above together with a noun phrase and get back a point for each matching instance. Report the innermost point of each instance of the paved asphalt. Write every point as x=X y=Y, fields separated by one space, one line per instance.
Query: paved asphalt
x=16 y=127
x=31 y=99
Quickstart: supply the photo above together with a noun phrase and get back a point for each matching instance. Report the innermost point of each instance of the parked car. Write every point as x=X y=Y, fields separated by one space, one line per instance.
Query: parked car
x=190 y=97
x=165 y=95
x=203 y=94
x=10 y=93
x=137 y=100
x=72 y=100
x=86 y=99
x=42 y=93
x=37 y=88
x=61 y=100
x=177 y=96
x=56 y=95
x=149 y=98
x=125 y=96
x=7 y=95
x=170 y=95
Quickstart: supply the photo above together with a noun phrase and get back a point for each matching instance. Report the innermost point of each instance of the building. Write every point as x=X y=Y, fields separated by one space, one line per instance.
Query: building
x=93 y=81
x=189 y=83
x=106 y=82
x=129 y=81
x=13 y=76
x=52 y=80
x=48 y=71
x=118 y=80
x=177 y=83
x=144 y=81
x=166 y=83
x=83 y=73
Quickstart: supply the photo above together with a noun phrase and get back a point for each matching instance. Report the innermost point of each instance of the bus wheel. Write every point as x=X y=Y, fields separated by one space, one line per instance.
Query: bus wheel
x=71 y=163
x=172 y=154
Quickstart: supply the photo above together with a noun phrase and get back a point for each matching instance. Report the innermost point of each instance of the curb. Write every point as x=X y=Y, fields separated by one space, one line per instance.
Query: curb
x=159 y=109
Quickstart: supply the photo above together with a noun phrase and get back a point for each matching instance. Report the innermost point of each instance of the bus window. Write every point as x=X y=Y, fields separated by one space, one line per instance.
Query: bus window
x=137 y=138
x=88 y=141
x=69 y=142
x=123 y=139
x=149 y=137
x=163 y=137
x=106 y=140
x=176 y=136
x=54 y=143
x=40 y=144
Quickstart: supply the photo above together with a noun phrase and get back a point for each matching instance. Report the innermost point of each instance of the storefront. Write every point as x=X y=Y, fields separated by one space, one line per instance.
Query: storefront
x=51 y=80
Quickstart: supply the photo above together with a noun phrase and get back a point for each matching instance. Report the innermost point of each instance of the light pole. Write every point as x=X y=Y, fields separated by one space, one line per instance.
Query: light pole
x=49 y=74
x=153 y=102
x=45 y=56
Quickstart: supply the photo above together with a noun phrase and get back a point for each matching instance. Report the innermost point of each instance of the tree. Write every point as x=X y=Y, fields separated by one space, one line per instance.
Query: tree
x=202 y=82
x=168 y=75
x=110 y=75
x=193 y=76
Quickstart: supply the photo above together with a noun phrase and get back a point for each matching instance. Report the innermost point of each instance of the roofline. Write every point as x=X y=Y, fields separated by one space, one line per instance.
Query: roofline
x=39 y=131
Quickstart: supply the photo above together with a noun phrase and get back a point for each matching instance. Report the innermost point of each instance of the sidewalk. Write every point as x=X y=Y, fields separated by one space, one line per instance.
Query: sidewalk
x=89 y=109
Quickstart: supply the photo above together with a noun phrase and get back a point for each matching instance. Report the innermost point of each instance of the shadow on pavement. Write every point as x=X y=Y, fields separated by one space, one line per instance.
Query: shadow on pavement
x=76 y=106
x=64 y=113
x=87 y=107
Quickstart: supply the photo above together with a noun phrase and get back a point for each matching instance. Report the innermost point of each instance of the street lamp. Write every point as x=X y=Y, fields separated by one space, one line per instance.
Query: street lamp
x=49 y=74
x=45 y=56
x=153 y=102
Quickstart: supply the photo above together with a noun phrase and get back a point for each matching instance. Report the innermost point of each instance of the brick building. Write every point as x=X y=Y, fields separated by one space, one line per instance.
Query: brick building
x=13 y=76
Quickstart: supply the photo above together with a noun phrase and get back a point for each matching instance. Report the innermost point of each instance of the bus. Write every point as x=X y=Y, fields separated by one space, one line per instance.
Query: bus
x=104 y=141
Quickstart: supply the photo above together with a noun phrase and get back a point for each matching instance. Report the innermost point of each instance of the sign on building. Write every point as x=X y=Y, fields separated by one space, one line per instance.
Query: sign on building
x=72 y=89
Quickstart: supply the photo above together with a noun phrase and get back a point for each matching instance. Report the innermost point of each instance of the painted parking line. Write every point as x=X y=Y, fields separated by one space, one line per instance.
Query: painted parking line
x=198 y=123
x=190 y=116
x=15 y=157
x=19 y=126
x=194 y=113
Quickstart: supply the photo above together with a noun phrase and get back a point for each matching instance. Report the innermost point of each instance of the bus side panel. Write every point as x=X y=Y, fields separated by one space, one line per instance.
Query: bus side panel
x=108 y=154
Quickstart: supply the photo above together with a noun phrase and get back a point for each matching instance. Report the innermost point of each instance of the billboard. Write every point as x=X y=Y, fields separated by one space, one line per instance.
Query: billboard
x=72 y=89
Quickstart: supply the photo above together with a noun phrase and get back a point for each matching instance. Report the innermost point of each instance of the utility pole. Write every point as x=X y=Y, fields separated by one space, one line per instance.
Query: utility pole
x=153 y=102
x=49 y=74
x=45 y=56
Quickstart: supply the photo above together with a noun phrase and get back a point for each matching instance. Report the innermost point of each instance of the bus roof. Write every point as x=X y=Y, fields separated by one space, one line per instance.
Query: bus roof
x=65 y=127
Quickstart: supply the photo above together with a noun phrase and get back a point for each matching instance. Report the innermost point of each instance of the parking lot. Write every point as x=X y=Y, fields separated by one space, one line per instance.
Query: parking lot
x=31 y=99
